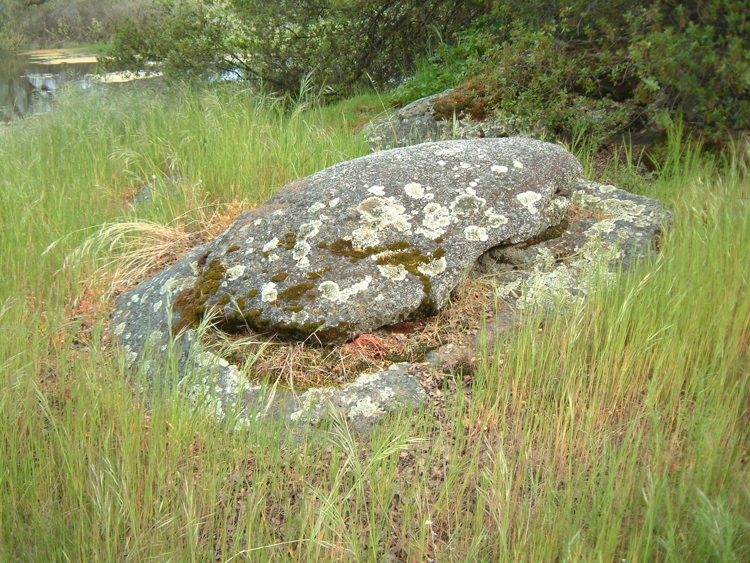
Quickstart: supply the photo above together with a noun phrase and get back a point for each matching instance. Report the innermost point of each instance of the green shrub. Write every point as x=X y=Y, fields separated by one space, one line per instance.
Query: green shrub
x=566 y=67
x=341 y=44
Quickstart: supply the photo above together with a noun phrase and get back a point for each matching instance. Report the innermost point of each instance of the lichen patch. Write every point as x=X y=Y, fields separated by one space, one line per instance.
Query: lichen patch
x=495 y=220
x=377 y=190
x=300 y=250
x=474 y=233
x=234 y=272
x=379 y=213
x=309 y=230
x=315 y=207
x=333 y=292
x=394 y=272
x=268 y=293
x=300 y=316
x=528 y=199
x=271 y=244
x=499 y=168
x=466 y=204
x=414 y=190
x=436 y=218
x=434 y=267
x=517 y=164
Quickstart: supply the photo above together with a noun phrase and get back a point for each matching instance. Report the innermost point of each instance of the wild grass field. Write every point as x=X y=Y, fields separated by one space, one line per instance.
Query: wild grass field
x=615 y=432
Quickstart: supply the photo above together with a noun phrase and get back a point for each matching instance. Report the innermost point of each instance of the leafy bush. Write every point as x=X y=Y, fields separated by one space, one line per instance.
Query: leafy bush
x=342 y=44
x=600 y=66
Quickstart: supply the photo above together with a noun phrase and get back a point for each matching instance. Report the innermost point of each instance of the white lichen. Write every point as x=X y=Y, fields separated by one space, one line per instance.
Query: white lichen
x=436 y=218
x=157 y=306
x=268 y=293
x=304 y=262
x=414 y=190
x=499 y=168
x=309 y=230
x=434 y=267
x=315 y=207
x=380 y=213
x=334 y=202
x=528 y=199
x=234 y=272
x=396 y=273
x=365 y=408
x=377 y=190
x=466 y=204
x=300 y=250
x=271 y=244
x=495 y=220
x=474 y=233
x=330 y=290
x=119 y=329
x=364 y=237
x=517 y=164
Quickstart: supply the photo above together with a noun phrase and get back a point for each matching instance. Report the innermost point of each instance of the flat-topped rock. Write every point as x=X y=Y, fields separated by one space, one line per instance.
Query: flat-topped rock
x=366 y=243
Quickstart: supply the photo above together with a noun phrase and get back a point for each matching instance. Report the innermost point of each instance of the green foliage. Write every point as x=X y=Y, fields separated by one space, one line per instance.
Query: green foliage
x=562 y=67
x=341 y=44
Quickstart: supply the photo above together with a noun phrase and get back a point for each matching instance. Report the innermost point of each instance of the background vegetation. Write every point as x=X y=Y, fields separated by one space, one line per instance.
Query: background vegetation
x=561 y=66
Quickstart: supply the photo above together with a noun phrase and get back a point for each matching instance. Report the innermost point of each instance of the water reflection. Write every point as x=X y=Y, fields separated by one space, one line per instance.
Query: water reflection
x=28 y=81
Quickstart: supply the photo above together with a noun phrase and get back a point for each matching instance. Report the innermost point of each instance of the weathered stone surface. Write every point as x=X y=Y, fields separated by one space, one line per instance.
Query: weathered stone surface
x=366 y=243
x=417 y=123
x=605 y=230
x=220 y=388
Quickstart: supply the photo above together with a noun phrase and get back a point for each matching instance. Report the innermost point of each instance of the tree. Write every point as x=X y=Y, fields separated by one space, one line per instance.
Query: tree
x=340 y=43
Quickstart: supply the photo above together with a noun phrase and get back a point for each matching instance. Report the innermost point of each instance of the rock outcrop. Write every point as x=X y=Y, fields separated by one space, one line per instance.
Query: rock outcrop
x=370 y=242
x=373 y=242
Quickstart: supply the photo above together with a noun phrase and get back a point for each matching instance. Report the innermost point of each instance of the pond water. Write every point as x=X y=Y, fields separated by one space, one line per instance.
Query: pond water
x=29 y=80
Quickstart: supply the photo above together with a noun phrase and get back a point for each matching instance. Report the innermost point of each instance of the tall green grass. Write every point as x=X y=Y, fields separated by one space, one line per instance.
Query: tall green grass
x=616 y=432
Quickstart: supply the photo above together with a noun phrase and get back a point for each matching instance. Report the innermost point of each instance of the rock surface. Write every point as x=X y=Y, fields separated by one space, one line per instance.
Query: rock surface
x=370 y=242
x=219 y=387
x=605 y=230
x=417 y=123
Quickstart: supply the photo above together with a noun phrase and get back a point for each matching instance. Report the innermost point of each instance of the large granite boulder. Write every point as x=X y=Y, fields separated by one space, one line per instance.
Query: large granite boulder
x=366 y=243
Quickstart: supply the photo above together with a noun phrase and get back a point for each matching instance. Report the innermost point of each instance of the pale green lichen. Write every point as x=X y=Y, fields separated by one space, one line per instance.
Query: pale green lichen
x=268 y=293
x=414 y=190
x=528 y=199
x=499 y=168
x=234 y=272
x=467 y=203
x=474 y=233
x=396 y=273
x=495 y=220
x=309 y=230
x=436 y=218
x=434 y=267
x=271 y=244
